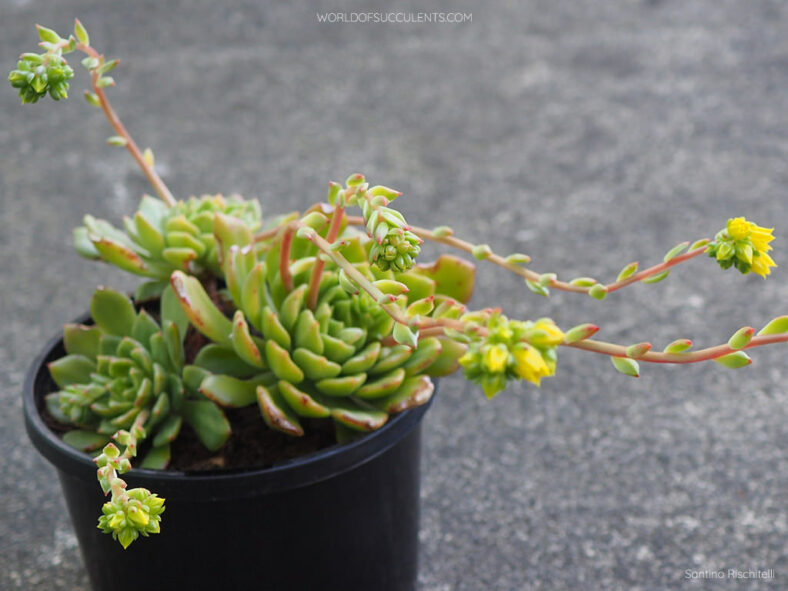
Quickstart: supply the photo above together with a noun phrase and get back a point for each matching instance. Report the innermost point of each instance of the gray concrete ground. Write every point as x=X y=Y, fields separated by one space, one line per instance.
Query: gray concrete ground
x=587 y=134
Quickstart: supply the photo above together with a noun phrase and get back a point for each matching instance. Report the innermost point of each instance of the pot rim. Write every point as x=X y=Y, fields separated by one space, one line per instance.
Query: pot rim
x=210 y=485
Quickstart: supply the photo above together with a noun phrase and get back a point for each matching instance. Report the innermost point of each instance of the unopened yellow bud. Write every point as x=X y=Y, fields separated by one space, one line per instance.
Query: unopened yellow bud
x=495 y=358
x=546 y=333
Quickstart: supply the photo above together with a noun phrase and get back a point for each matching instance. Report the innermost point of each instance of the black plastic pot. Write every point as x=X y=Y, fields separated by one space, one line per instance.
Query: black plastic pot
x=343 y=518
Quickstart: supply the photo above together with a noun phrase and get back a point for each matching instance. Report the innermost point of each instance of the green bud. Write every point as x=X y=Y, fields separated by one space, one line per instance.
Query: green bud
x=583 y=281
x=89 y=63
x=333 y=191
x=598 y=292
x=536 y=288
x=105 y=81
x=111 y=451
x=442 y=231
x=117 y=140
x=547 y=279
x=638 y=350
x=481 y=251
x=580 y=333
x=725 y=251
x=147 y=155
x=92 y=99
x=518 y=259
x=354 y=180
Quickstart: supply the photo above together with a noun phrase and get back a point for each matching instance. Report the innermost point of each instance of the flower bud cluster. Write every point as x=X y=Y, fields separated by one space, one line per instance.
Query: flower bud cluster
x=39 y=74
x=134 y=512
x=512 y=349
x=395 y=247
x=743 y=245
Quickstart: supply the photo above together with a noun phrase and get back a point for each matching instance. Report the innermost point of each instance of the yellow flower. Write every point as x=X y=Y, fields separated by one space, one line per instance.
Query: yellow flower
x=761 y=237
x=495 y=358
x=549 y=334
x=530 y=365
x=761 y=264
x=739 y=228
x=750 y=243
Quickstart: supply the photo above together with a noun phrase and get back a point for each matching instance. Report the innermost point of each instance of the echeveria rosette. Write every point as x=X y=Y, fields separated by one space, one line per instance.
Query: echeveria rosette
x=126 y=364
x=745 y=246
x=336 y=361
x=160 y=239
x=511 y=349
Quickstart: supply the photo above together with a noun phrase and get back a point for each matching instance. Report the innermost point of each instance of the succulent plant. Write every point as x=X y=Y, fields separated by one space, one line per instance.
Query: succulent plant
x=124 y=365
x=307 y=317
x=335 y=360
x=160 y=239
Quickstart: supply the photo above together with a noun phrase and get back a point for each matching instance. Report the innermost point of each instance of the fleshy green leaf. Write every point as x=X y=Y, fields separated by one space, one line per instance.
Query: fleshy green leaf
x=81 y=340
x=741 y=337
x=112 y=311
x=404 y=335
x=199 y=308
x=678 y=346
x=734 y=360
x=628 y=367
x=85 y=440
x=229 y=391
x=158 y=458
x=453 y=276
x=71 y=369
x=168 y=431
x=80 y=33
x=778 y=325
x=627 y=271
x=208 y=421
x=223 y=360
x=656 y=278
x=277 y=413
x=675 y=251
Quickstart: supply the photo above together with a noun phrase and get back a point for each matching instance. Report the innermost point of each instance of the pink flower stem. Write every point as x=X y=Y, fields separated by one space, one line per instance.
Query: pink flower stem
x=613 y=350
x=317 y=271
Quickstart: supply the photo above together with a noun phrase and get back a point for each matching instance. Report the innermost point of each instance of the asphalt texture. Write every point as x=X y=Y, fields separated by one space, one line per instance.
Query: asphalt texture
x=587 y=134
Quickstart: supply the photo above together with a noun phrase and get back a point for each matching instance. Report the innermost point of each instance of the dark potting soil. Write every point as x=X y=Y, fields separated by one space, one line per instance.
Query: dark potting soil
x=251 y=445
